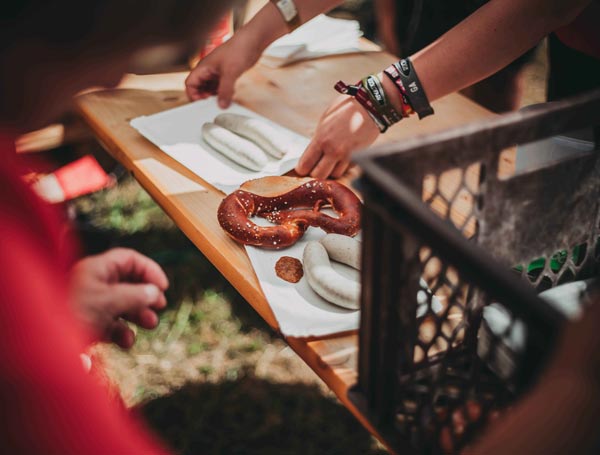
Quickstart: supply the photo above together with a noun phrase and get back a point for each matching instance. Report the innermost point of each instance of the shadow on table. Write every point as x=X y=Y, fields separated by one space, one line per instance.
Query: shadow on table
x=253 y=416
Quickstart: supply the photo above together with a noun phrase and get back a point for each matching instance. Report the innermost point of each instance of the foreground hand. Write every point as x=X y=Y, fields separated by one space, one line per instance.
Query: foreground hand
x=216 y=73
x=118 y=285
x=345 y=127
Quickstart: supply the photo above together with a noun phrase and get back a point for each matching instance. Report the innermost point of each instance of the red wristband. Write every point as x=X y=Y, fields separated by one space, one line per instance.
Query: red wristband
x=359 y=93
x=393 y=74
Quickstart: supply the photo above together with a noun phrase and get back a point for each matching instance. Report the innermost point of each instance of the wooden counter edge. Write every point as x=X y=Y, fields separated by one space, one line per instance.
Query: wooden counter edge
x=334 y=382
x=247 y=290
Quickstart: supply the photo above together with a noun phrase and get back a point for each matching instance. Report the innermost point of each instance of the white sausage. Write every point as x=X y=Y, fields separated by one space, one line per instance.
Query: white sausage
x=268 y=138
x=234 y=147
x=325 y=281
x=342 y=248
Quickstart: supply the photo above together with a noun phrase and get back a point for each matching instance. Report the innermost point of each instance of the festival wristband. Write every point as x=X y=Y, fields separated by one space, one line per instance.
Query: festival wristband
x=359 y=93
x=394 y=75
x=289 y=12
x=414 y=90
x=377 y=94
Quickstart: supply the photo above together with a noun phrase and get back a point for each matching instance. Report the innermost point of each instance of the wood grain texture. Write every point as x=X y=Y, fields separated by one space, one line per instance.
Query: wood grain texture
x=294 y=96
x=72 y=130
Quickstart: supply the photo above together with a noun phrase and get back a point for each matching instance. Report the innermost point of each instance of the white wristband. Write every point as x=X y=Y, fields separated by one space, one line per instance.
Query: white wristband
x=288 y=10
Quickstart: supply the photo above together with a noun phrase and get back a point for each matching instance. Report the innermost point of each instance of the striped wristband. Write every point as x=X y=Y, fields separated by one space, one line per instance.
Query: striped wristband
x=413 y=89
x=394 y=75
x=362 y=97
x=377 y=95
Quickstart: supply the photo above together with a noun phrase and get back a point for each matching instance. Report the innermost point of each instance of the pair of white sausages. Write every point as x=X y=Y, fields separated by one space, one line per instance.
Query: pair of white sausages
x=321 y=277
x=245 y=140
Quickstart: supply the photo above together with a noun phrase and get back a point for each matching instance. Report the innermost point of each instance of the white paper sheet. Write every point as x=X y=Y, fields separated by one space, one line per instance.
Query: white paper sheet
x=320 y=36
x=178 y=132
x=299 y=311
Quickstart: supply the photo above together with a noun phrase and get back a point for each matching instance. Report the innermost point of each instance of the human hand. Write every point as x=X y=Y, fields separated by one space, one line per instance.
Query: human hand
x=345 y=127
x=216 y=73
x=120 y=284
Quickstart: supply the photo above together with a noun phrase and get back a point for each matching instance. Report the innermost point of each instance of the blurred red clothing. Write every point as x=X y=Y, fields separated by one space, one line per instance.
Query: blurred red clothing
x=48 y=404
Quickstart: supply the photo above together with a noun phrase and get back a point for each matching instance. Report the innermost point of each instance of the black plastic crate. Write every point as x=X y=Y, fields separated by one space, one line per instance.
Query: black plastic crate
x=445 y=239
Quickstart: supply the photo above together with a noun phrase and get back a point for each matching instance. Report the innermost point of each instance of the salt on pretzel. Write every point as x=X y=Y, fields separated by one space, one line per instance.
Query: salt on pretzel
x=292 y=204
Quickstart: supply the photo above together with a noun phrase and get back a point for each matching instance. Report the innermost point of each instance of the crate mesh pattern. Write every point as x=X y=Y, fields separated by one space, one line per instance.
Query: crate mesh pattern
x=449 y=335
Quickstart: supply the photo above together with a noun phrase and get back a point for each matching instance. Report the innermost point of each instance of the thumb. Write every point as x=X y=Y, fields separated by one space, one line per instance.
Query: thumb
x=131 y=297
x=225 y=91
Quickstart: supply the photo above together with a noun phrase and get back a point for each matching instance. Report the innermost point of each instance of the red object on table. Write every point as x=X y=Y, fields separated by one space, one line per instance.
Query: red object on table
x=81 y=177
x=221 y=33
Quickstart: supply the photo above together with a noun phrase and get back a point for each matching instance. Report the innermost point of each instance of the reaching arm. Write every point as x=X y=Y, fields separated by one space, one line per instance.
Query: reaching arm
x=216 y=74
x=268 y=24
x=488 y=40
x=482 y=44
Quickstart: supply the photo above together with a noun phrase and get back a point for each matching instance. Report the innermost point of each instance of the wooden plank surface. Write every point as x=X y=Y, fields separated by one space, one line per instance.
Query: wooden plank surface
x=72 y=130
x=294 y=96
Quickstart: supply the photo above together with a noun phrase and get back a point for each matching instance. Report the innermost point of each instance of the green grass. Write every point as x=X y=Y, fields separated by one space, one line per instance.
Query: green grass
x=212 y=378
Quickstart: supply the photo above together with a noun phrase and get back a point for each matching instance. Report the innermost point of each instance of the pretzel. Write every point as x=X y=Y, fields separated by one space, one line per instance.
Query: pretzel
x=292 y=204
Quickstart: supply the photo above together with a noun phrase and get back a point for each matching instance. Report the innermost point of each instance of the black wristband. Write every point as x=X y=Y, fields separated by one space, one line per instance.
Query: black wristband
x=414 y=89
x=361 y=95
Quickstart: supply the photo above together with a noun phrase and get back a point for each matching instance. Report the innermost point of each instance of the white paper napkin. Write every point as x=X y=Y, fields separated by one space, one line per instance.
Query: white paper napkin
x=178 y=133
x=300 y=312
x=318 y=37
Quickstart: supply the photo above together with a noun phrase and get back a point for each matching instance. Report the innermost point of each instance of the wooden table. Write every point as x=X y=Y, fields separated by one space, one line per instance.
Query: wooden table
x=294 y=96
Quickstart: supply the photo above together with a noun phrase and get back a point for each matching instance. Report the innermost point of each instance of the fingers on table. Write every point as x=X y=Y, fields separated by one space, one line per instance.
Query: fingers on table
x=324 y=167
x=321 y=162
x=225 y=91
x=340 y=169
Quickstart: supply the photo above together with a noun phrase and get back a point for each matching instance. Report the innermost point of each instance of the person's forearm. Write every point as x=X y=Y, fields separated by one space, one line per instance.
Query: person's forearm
x=488 y=40
x=385 y=14
x=385 y=17
x=268 y=24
